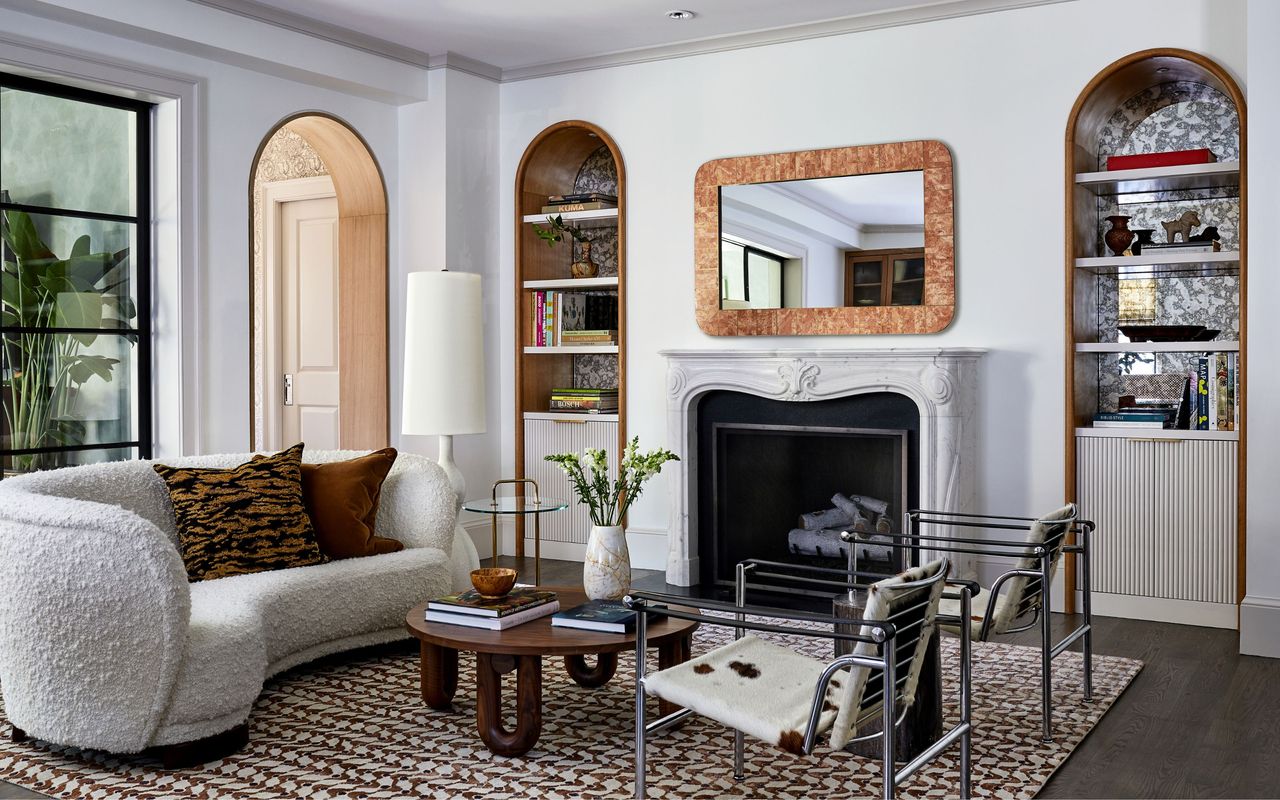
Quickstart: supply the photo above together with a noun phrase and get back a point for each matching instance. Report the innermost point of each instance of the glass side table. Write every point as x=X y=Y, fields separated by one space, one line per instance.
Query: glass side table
x=522 y=505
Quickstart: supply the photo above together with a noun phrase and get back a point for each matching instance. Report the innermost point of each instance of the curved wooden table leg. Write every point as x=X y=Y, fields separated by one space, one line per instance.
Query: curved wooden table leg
x=489 y=671
x=439 y=666
x=670 y=653
x=592 y=677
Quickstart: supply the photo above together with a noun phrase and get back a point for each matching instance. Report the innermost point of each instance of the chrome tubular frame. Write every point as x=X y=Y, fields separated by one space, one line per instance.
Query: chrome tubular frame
x=1049 y=650
x=884 y=636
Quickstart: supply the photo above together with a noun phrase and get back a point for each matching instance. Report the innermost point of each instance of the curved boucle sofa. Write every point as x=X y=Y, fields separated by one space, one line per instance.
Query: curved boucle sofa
x=104 y=644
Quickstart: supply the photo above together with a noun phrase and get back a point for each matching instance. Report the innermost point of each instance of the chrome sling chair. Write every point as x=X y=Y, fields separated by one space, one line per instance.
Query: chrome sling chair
x=789 y=699
x=1004 y=609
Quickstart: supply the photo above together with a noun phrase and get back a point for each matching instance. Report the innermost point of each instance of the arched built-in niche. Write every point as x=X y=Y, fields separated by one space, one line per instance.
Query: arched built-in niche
x=1190 y=567
x=362 y=278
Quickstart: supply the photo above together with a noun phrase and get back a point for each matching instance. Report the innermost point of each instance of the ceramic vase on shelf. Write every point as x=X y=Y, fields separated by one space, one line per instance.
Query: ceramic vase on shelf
x=1119 y=237
x=1144 y=239
x=606 y=572
x=584 y=267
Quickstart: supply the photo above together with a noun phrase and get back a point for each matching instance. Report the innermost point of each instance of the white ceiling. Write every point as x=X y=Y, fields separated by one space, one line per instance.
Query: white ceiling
x=891 y=198
x=522 y=34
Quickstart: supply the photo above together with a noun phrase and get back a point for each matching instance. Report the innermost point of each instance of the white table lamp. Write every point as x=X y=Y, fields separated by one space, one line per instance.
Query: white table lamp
x=444 y=362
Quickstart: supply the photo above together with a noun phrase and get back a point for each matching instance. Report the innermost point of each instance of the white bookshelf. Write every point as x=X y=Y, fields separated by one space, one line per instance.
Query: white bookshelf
x=1139 y=434
x=574 y=284
x=1151 y=180
x=580 y=349
x=599 y=217
x=1223 y=346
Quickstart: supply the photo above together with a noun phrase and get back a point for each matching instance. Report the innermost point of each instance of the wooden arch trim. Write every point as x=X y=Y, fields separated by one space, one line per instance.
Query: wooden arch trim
x=363 y=388
x=1114 y=84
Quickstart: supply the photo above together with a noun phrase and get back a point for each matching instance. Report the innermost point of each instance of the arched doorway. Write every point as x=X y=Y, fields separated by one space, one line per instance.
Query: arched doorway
x=317 y=144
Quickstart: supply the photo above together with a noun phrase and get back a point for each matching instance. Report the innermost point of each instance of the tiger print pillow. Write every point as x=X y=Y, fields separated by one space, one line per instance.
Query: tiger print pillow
x=246 y=519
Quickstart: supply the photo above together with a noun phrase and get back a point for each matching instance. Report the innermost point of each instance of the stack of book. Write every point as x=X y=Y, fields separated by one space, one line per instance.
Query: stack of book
x=588 y=401
x=583 y=201
x=607 y=616
x=566 y=318
x=1217 y=381
x=1136 y=418
x=470 y=609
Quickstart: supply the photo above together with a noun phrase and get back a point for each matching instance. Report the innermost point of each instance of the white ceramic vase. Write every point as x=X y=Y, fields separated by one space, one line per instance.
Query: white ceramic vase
x=606 y=574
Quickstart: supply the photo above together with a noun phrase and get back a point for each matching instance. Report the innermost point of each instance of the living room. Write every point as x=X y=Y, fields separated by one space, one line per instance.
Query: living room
x=449 y=136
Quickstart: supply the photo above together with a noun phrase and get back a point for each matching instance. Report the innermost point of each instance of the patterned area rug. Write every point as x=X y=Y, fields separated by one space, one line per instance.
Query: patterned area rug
x=358 y=728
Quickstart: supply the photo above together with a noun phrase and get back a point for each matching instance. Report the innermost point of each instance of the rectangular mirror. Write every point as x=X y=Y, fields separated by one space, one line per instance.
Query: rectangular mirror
x=854 y=240
x=842 y=241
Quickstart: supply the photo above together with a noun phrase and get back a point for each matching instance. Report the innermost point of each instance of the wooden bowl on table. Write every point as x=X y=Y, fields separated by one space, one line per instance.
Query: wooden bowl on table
x=493 y=582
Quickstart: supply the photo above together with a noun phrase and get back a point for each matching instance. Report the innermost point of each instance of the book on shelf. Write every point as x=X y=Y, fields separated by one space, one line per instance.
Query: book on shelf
x=493 y=623
x=568 y=208
x=586 y=391
x=473 y=603
x=1202 y=394
x=582 y=197
x=607 y=616
x=1171 y=158
x=1168 y=248
x=573 y=318
x=1130 y=418
x=582 y=404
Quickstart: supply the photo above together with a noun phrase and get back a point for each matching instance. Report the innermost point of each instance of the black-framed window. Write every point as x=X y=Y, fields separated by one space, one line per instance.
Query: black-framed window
x=75 y=290
x=750 y=275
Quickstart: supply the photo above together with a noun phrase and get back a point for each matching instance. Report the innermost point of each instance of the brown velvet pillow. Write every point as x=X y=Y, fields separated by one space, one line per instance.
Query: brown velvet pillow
x=342 y=501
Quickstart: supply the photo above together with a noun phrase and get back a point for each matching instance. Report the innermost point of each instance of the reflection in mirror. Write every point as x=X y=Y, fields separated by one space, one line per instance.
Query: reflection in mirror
x=856 y=240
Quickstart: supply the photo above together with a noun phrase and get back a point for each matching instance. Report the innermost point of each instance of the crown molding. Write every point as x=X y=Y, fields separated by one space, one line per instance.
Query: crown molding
x=793 y=33
x=471 y=66
x=321 y=30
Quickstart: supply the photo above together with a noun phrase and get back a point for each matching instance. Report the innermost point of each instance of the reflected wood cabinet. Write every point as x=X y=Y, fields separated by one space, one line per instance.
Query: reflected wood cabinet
x=884 y=277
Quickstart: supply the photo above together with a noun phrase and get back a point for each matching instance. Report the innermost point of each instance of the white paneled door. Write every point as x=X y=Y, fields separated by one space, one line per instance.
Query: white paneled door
x=307 y=259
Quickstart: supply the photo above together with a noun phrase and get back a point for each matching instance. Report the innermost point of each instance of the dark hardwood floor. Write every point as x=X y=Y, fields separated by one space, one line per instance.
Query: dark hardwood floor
x=1200 y=720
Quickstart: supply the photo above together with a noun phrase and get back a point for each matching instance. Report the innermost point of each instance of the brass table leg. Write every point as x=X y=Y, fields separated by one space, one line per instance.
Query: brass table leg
x=493 y=529
x=537 y=549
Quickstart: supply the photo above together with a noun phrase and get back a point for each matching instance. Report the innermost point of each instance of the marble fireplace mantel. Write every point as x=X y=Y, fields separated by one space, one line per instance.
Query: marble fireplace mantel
x=942 y=382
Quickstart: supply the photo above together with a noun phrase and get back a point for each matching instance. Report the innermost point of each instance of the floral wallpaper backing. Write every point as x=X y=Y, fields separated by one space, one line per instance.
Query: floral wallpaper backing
x=287 y=156
x=1172 y=116
x=598 y=174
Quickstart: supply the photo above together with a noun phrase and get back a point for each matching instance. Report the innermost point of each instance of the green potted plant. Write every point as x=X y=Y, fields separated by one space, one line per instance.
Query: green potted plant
x=555 y=232
x=606 y=573
x=40 y=392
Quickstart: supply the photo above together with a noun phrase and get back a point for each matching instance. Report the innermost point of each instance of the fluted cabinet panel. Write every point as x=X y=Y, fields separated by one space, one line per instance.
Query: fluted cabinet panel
x=544 y=436
x=1166 y=516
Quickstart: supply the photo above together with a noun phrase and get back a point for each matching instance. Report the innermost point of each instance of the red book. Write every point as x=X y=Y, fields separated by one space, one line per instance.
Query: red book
x=1173 y=158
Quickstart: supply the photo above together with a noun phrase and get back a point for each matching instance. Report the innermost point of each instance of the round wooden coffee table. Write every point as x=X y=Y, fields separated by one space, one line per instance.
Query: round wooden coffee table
x=520 y=650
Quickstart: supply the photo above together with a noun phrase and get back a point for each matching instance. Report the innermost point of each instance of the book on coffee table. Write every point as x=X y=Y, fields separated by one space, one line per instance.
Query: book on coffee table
x=473 y=603
x=607 y=616
x=493 y=623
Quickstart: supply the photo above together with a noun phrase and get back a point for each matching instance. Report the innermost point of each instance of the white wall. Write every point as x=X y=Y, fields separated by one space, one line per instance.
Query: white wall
x=1260 y=612
x=235 y=108
x=996 y=88
x=448 y=197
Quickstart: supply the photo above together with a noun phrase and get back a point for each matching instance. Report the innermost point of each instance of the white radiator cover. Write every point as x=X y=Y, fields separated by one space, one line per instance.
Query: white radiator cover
x=1166 y=516
x=545 y=436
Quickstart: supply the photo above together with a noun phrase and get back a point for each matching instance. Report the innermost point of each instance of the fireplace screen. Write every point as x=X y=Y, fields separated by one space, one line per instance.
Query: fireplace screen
x=785 y=493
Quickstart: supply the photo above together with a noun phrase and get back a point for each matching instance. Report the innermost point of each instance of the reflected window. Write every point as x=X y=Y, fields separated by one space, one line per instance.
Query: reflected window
x=75 y=348
x=749 y=277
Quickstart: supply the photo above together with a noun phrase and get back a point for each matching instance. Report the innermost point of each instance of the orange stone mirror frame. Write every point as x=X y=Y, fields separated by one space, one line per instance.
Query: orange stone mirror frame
x=939 y=241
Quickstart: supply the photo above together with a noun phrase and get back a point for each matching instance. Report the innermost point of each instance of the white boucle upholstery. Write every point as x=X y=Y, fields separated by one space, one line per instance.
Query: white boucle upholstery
x=104 y=644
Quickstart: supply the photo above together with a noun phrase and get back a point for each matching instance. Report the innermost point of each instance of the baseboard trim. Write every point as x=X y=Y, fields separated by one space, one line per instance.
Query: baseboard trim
x=1260 y=626
x=1160 y=609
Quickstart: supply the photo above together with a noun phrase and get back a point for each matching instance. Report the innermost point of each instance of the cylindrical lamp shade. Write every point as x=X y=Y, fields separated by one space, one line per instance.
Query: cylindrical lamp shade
x=443 y=354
